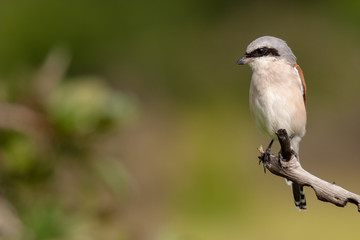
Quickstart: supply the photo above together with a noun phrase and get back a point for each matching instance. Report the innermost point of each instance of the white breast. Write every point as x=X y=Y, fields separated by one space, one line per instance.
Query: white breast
x=276 y=98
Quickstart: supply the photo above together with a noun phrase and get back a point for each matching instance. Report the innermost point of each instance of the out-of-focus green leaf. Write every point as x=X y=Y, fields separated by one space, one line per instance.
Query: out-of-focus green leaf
x=19 y=153
x=113 y=175
x=45 y=222
x=86 y=106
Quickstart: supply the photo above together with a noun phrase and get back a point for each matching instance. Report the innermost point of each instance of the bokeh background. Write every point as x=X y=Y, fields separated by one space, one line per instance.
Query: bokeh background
x=129 y=120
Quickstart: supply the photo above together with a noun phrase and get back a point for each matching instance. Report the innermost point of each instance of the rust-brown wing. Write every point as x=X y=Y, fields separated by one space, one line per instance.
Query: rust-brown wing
x=301 y=75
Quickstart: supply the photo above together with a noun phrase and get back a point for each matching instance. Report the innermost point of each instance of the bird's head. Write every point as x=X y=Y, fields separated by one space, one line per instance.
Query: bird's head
x=267 y=48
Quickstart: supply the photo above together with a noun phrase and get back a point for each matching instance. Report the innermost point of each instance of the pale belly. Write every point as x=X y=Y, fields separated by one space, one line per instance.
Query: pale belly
x=278 y=108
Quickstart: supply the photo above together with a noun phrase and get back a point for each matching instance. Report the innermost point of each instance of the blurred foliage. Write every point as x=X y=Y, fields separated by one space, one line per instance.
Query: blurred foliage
x=84 y=107
x=70 y=116
x=129 y=119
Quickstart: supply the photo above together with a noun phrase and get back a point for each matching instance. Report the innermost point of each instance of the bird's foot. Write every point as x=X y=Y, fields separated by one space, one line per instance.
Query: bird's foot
x=295 y=154
x=280 y=159
x=265 y=158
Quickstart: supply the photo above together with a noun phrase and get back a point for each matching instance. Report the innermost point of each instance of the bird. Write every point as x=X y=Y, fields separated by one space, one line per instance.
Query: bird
x=277 y=95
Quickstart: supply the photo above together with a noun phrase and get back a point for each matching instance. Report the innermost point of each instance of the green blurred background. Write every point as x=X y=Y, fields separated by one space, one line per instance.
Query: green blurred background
x=129 y=120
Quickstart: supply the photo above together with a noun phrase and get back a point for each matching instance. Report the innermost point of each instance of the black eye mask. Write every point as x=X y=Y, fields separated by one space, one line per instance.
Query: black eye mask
x=264 y=51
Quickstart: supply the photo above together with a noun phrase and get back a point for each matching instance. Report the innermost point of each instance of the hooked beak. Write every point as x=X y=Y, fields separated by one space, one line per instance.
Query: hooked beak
x=243 y=60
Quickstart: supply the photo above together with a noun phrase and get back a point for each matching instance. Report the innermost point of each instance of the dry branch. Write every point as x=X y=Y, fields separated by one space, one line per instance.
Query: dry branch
x=292 y=170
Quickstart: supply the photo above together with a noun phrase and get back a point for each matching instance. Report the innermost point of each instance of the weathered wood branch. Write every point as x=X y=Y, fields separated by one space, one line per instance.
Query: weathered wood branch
x=292 y=170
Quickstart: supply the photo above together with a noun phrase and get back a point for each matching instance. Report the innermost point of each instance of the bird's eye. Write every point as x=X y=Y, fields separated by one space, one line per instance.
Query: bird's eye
x=262 y=51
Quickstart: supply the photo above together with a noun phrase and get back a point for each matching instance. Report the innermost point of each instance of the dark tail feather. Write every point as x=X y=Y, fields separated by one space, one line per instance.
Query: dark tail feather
x=299 y=196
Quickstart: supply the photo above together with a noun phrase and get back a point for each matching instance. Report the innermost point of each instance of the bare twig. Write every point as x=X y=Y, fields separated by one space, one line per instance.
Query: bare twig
x=292 y=170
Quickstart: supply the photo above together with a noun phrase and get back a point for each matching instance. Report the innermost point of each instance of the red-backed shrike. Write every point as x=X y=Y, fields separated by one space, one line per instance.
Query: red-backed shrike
x=277 y=94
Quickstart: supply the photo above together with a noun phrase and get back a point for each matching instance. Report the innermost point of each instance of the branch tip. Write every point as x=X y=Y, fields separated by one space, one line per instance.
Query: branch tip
x=292 y=170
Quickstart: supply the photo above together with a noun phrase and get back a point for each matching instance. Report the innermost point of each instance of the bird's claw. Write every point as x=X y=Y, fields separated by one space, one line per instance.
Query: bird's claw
x=265 y=158
x=280 y=158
